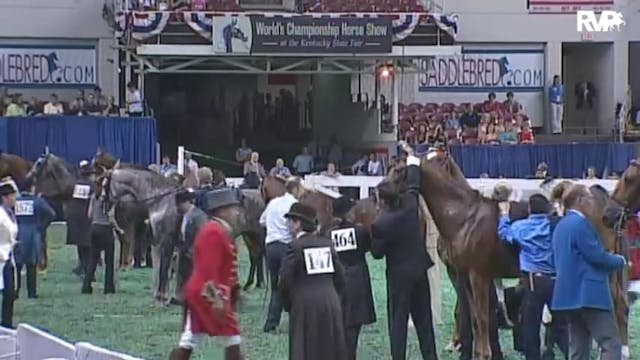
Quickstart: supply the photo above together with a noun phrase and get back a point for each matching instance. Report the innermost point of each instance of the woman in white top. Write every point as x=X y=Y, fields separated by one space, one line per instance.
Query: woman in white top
x=374 y=167
x=134 y=100
x=8 y=235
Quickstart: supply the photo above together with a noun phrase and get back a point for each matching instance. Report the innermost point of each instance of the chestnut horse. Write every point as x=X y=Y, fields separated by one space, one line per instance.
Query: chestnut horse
x=467 y=222
x=14 y=166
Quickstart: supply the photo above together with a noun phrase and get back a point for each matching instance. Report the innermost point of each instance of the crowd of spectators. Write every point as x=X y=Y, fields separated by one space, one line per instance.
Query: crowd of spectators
x=490 y=122
x=93 y=103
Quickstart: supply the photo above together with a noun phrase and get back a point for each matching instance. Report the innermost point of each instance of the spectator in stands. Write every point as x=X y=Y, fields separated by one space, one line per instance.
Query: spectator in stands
x=253 y=166
x=422 y=135
x=335 y=151
x=191 y=167
x=490 y=105
x=280 y=169
x=452 y=122
x=508 y=135
x=33 y=107
x=374 y=167
x=53 y=107
x=101 y=100
x=331 y=171
x=91 y=106
x=16 y=107
x=541 y=170
x=303 y=162
x=556 y=99
x=243 y=154
x=76 y=106
x=167 y=168
x=525 y=136
x=469 y=119
x=511 y=105
x=134 y=100
x=490 y=137
x=111 y=109
x=360 y=167
x=591 y=173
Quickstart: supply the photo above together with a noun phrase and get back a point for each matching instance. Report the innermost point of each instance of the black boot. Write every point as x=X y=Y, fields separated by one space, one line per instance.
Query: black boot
x=32 y=281
x=232 y=353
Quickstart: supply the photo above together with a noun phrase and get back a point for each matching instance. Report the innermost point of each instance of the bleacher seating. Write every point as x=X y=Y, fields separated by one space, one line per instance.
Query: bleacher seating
x=378 y=6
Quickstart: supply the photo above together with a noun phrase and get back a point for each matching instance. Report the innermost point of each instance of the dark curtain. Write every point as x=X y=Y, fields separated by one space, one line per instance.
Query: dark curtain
x=76 y=138
x=520 y=161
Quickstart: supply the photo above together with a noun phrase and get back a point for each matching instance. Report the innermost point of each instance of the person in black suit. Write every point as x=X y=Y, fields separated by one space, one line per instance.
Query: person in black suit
x=398 y=238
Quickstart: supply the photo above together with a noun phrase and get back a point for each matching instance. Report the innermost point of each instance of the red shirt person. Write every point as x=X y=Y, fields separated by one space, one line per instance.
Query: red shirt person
x=210 y=293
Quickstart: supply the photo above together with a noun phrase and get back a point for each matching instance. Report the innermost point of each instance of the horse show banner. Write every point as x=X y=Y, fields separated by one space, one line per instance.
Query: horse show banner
x=568 y=6
x=258 y=34
x=47 y=66
x=484 y=70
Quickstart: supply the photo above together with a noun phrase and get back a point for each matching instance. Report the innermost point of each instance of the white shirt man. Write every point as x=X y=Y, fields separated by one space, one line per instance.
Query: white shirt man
x=53 y=107
x=134 y=101
x=278 y=239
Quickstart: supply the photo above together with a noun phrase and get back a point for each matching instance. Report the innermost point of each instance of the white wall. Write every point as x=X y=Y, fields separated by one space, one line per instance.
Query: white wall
x=634 y=71
x=77 y=22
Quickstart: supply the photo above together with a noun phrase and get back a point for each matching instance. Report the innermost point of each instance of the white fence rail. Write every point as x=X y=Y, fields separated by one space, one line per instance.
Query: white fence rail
x=523 y=188
x=30 y=343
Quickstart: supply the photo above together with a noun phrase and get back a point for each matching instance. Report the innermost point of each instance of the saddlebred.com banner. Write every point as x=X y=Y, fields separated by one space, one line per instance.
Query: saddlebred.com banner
x=256 y=34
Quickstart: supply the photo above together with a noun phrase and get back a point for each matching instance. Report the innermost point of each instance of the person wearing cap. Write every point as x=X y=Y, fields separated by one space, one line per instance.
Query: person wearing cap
x=211 y=292
x=8 y=239
x=352 y=241
x=102 y=239
x=34 y=216
x=78 y=223
x=397 y=237
x=311 y=287
x=192 y=220
x=277 y=241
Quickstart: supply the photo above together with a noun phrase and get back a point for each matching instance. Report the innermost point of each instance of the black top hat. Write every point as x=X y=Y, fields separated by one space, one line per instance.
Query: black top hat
x=219 y=198
x=8 y=186
x=303 y=213
x=342 y=205
x=184 y=195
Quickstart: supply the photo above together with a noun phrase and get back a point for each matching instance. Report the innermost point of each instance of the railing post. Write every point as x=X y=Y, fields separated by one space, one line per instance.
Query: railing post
x=181 y=160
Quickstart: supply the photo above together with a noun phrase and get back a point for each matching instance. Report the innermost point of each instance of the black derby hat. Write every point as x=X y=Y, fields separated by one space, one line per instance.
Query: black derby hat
x=303 y=213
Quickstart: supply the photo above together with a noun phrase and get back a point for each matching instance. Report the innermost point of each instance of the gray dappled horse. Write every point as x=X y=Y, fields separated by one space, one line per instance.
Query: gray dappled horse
x=155 y=193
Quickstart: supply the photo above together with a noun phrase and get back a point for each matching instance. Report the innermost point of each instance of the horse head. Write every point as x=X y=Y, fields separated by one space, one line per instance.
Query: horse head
x=625 y=197
x=52 y=175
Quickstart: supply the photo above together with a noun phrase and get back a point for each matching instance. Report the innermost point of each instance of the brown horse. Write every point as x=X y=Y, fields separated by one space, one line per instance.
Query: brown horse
x=14 y=166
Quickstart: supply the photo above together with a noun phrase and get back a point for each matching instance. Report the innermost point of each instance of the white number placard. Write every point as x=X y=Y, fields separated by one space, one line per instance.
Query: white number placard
x=318 y=260
x=81 y=191
x=24 y=208
x=344 y=239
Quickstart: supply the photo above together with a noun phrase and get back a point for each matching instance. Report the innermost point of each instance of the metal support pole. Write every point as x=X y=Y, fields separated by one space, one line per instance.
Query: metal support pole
x=141 y=80
x=181 y=160
x=395 y=95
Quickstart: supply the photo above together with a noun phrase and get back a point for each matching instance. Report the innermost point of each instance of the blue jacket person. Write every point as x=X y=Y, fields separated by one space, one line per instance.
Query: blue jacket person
x=352 y=241
x=533 y=237
x=398 y=238
x=582 y=288
x=34 y=216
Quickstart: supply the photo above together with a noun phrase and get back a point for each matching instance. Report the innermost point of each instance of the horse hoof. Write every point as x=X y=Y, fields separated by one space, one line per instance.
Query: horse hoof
x=626 y=353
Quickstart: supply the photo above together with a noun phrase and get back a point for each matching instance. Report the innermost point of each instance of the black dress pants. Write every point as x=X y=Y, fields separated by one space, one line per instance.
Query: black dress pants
x=466 y=323
x=8 y=294
x=101 y=240
x=410 y=295
x=352 y=334
x=276 y=252
x=31 y=280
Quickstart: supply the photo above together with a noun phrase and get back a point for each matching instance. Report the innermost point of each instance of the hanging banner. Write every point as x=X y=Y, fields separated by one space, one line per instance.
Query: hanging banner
x=484 y=70
x=47 y=66
x=301 y=35
x=568 y=6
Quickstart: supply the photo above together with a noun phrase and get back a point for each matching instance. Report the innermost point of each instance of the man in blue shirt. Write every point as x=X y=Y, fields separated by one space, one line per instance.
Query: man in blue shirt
x=556 y=99
x=582 y=288
x=533 y=236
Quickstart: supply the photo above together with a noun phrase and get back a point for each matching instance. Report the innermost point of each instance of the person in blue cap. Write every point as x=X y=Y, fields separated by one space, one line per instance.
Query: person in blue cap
x=352 y=242
x=34 y=216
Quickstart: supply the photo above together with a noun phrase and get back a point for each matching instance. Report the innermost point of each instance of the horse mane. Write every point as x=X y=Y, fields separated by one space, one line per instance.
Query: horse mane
x=155 y=180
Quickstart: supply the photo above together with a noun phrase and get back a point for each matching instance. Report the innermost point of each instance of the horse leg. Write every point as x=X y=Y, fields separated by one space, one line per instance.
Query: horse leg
x=479 y=303
x=166 y=253
x=156 y=255
x=260 y=266
x=252 y=261
x=454 y=343
x=621 y=309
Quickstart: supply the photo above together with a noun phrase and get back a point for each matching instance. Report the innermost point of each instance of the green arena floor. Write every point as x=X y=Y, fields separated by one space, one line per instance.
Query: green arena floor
x=129 y=321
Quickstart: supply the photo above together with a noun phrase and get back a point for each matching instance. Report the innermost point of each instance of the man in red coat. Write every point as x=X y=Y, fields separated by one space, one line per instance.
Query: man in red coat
x=211 y=291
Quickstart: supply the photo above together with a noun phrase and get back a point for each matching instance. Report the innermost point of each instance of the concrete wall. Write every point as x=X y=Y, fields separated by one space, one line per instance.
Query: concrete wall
x=61 y=22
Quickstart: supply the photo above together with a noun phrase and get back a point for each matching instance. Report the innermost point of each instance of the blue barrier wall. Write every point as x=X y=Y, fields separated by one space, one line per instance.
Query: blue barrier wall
x=520 y=161
x=77 y=137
